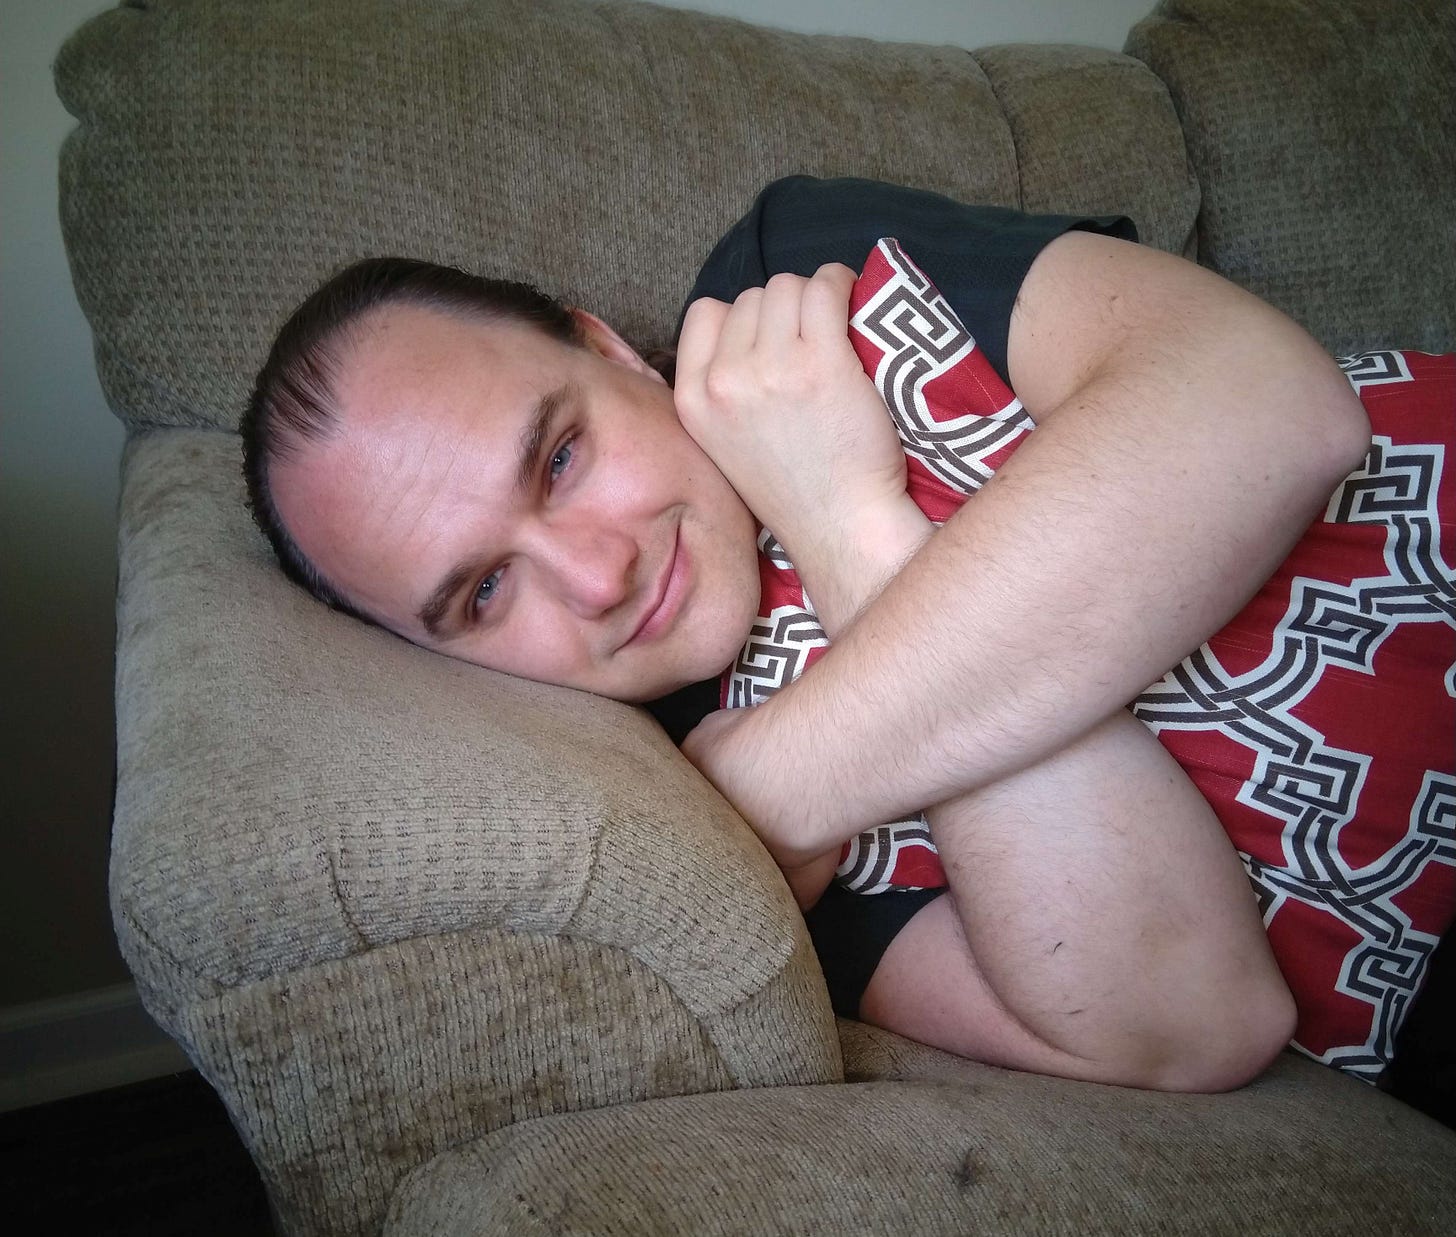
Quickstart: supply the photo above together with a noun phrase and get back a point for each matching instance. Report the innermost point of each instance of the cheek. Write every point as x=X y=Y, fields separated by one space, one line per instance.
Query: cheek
x=661 y=448
x=629 y=473
x=533 y=644
x=734 y=581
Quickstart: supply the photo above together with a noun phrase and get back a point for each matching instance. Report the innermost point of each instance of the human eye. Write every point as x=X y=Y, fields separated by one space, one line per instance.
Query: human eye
x=485 y=591
x=561 y=460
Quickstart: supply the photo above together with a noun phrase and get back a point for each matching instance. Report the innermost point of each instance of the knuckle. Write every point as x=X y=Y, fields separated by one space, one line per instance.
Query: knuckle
x=721 y=385
x=783 y=280
x=703 y=309
x=689 y=405
x=698 y=327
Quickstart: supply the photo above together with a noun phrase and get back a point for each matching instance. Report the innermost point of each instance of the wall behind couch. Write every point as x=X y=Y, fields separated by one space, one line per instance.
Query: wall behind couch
x=58 y=458
x=59 y=448
x=964 y=23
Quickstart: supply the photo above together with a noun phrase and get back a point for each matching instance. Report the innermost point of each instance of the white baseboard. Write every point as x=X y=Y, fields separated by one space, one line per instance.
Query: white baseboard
x=72 y=1045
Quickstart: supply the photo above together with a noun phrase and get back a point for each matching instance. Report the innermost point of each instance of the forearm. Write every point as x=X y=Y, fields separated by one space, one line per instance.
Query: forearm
x=846 y=568
x=1128 y=528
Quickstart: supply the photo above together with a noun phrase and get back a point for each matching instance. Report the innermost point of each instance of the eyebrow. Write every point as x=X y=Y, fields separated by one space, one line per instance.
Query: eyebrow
x=528 y=451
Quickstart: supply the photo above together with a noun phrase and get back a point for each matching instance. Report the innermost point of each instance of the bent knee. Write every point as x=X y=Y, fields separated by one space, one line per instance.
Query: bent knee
x=1230 y=1051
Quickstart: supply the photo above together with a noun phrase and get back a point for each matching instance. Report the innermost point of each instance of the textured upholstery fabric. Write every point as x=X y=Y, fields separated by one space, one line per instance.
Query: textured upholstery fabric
x=232 y=154
x=1092 y=137
x=357 y=1071
x=366 y=791
x=968 y=1149
x=1323 y=134
x=330 y=845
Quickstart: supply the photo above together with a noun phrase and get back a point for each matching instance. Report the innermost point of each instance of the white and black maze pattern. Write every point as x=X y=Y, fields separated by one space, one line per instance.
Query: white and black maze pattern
x=921 y=339
x=769 y=547
x=778 y=645
x=774 y=655
x=1311 y=787
x=1374 y=369
x=1385 y=967
x=872 y=855
x=1397 y=486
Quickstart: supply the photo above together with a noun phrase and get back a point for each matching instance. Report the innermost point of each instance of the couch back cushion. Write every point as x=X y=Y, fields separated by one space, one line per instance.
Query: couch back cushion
x=1321 y=133
x=230 y=156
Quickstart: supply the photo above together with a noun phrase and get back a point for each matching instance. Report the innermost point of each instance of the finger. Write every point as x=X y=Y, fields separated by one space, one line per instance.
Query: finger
x=740 y=327
x=825 y=310
x=778 y=319
x=698 y=340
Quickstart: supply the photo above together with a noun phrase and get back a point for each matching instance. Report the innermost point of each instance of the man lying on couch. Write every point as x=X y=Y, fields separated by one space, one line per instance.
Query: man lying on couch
x=502 y=479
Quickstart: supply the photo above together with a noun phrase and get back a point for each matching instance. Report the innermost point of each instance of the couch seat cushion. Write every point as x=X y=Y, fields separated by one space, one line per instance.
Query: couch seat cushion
x=954 y=1147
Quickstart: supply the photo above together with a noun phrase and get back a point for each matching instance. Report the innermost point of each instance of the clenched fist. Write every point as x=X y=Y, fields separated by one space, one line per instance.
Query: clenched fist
x=771 y=389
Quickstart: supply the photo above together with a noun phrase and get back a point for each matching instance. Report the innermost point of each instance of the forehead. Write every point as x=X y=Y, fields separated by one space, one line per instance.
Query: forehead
x=408 y=362
x=430 y=412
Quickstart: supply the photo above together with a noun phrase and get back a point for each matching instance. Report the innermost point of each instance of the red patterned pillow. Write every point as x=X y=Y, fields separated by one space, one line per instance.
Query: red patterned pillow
x=1320 y=723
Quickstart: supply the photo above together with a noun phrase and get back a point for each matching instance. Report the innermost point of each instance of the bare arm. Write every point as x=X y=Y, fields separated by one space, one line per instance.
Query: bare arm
x=1187 y=433
x=1105 y=927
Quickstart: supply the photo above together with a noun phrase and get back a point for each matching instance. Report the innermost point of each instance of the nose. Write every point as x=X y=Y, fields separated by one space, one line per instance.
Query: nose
x=592 y=563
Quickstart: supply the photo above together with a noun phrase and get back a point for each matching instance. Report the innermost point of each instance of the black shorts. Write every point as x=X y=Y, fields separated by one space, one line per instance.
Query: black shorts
x=851 y=932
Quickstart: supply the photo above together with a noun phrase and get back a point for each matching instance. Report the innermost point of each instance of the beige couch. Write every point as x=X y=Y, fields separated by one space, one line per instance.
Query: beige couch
x=465 y=954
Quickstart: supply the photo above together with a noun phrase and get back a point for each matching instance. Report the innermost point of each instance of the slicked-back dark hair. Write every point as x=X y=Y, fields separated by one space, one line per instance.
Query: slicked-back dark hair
x=294 y=398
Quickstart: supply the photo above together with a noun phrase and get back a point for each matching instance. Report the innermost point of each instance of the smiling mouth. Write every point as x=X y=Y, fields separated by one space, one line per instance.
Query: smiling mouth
x=667 y=596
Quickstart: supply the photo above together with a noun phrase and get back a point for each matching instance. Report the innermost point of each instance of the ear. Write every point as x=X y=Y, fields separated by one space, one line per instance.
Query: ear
x=604 y=341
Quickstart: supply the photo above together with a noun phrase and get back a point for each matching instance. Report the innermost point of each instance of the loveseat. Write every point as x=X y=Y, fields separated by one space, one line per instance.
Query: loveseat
x=465 y=954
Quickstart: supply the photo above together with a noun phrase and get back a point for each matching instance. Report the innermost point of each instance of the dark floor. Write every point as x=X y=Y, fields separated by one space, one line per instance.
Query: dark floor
x=155 y=1159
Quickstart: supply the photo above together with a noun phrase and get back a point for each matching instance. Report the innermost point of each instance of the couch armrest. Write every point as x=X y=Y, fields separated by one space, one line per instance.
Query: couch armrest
x=357 y=880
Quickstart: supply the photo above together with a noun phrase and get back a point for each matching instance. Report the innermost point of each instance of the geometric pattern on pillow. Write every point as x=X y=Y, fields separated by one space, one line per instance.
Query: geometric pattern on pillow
x=1320 y=725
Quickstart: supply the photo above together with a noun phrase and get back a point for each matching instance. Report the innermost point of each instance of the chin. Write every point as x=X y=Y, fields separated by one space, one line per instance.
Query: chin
x=704 y=658
x=656 y=693
x=718 y=648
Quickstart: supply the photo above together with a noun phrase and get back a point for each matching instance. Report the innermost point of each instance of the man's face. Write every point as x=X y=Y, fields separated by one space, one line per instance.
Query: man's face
x=535 y=508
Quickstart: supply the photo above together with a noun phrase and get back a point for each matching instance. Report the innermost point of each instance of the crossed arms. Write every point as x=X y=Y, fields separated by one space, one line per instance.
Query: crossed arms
x=1187 y=434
